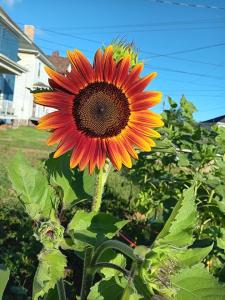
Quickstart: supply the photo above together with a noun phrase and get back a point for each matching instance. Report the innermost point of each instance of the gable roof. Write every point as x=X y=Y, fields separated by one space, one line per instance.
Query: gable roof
x=220 y=119
x=25 y=43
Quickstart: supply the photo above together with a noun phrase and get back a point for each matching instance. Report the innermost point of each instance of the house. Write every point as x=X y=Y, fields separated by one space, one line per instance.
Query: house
x=220 y=121
x=10 y=39
x=34 y=60
x=22 y=65
x=62 y=64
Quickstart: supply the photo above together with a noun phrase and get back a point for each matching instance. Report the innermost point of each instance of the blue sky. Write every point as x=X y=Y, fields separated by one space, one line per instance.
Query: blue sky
x=168 y=37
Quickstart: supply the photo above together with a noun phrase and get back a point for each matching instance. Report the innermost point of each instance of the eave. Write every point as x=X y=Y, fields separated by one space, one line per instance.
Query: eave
x=8 y=66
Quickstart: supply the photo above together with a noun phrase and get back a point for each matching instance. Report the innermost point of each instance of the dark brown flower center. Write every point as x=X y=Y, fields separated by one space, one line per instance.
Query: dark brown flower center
x=101 y=110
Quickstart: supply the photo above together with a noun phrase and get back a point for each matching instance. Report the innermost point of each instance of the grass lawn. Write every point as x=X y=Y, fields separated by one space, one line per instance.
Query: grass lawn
x=32 y=142
x=29 y=140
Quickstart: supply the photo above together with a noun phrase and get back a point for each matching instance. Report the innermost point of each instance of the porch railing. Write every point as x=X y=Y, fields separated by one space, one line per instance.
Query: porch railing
x=6 y=107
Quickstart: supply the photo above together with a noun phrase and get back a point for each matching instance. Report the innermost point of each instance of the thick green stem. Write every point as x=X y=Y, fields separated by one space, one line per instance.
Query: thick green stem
x=61 y=290
x=110 y=266
x=97 y=199
x=112 y=244
x=87 y=275
x=99 y=187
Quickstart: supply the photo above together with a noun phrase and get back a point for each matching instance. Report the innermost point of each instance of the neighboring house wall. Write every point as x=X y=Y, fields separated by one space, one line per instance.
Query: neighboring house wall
x=221 y=124
x=24 y=107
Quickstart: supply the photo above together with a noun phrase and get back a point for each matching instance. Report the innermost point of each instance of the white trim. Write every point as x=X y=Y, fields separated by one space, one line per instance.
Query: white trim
x=39 y=54
x=11 y=65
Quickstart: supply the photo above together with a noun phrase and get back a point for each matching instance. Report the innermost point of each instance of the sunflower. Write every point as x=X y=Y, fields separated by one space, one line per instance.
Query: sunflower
x=101 y=110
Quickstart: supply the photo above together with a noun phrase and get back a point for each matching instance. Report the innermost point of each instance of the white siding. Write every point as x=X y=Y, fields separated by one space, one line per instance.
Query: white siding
x=24 y=107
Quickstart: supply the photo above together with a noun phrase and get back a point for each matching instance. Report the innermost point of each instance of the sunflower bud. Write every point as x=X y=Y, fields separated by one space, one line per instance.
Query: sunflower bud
x=122 y=49
x=156 y=272
x=50 y=234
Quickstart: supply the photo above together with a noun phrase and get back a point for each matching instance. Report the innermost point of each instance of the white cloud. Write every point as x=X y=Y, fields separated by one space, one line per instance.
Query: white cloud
x=11 y=3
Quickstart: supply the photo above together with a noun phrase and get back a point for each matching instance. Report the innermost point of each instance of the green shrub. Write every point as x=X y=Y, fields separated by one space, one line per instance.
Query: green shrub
x=18 y=250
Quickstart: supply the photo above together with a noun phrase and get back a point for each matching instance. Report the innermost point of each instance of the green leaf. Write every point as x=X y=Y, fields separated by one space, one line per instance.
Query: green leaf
x=220 y=189
x=190 y=257
x=183 y=160
x=32 y=187
x=4 y=277
x=108 y=289
x=93 y=228
x=130 y=293
x=220 y=204
x=114 y=258
x=180 y=225
x=187 y=107
x=50 y=270
x=141 y=287
x=197 y=284
x=220 y=243
x=52 y=294
x=74 y=184
x=172 y=103
x=164 y=145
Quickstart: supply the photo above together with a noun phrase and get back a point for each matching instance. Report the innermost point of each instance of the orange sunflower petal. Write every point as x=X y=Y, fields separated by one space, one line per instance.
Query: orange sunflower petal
x=138 y=103
x=109 y=64
x=58 y=134
x=125 y=156
x=98 y=65
x=64 y=147
x=114 y=153
x=78 y=80
x=133 y=76
x=147 y=117
x=51 y=119
x=143 y=137
x=93 y=155
x=122 y=71
x=58 y=100
x=78 y=150
x=128 y=144
x=86 y=155
x=144 y=129
x=138 y=141
x=82 y=64
x=101 y=154
x=62 y=81
x=140 y=85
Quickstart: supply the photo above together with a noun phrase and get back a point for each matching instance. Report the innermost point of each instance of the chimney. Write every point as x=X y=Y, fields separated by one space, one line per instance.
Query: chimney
x=55 y=53
x=29 y=30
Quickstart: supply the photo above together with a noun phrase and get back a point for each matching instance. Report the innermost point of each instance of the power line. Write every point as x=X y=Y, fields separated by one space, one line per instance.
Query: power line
x=157 y=54
x=194 y=90
x=185 y=72
x=175 y=58
x=153 y=30
x=153 y=53
x=183 y=59
x=195 y=95
x=189 y=82
x=186 y=51
x=67 y=34
x=63 y=45
x=192 y=5
x=147 y=52
x=169 y=23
